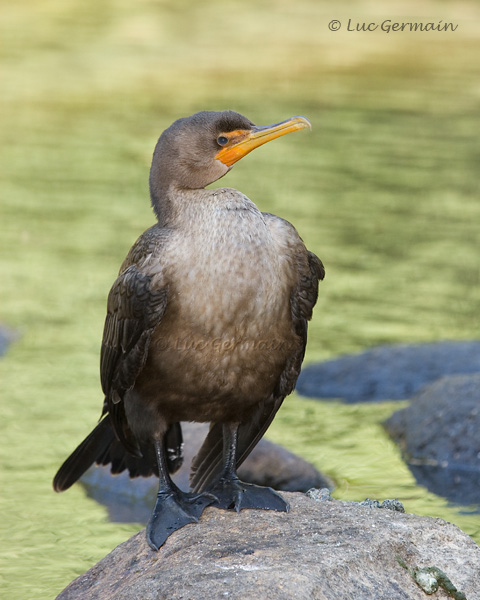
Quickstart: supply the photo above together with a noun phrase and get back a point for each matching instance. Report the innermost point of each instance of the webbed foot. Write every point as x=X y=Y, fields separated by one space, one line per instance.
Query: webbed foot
x=172 y=511
x=233 y=494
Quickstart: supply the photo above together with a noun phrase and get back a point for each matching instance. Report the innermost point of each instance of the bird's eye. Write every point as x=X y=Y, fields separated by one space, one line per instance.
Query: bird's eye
x=222 y=140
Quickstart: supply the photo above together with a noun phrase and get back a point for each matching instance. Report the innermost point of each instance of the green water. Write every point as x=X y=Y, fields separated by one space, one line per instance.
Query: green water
x=384 y=190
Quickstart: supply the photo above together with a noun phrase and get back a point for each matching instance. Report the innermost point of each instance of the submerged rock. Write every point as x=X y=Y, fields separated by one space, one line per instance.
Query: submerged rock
x=7 y=336
x=131 y=500
x=388 y=372
x=319 y=550
x=439 y=437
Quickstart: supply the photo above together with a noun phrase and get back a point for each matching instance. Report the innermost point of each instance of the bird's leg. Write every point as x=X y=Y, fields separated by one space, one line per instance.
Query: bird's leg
x=173 y=508
x=234 y=494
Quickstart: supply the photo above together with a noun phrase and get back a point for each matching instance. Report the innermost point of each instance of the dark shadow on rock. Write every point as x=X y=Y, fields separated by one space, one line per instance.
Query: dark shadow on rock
x=439 y=435
x=388 y=372
x=131 y=500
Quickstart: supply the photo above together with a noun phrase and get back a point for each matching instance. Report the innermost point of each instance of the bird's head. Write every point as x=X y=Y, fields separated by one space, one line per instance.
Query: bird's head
x=196 y=151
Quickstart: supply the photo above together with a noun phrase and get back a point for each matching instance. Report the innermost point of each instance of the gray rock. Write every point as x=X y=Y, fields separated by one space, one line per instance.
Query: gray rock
x=439 y=437
x=131 y=501
x=319 y=550
x=388 y=372
x=274 y=466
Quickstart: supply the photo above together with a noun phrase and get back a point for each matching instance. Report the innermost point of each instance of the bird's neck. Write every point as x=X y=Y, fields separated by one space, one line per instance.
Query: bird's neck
x=163 y=208
x=162 y=200
x=184 y=208
x=170 y=201
x=169 y=197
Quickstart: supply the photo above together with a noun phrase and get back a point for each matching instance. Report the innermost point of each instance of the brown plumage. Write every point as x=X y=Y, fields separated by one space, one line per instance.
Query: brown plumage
x=207 y=321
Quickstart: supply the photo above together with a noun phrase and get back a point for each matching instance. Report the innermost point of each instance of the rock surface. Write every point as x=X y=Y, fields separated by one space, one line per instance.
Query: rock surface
x=439 y=437
x=131 y=501
x=388 y=372
x=319 y=550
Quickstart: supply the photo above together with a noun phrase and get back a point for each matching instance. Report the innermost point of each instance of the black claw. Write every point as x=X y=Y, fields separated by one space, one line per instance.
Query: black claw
x=237 y=495
x=172 y=511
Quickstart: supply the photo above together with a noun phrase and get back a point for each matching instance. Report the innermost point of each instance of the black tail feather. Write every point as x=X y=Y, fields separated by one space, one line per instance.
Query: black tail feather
x=208 y=463
x=93 y=447
x=102 y=447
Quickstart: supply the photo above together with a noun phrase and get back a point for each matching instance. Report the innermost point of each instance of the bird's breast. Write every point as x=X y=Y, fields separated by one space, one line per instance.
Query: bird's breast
x=227 y=328
x=226 y=275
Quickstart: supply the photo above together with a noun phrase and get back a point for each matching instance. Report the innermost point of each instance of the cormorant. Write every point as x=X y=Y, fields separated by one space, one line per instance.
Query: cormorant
x=206 y=321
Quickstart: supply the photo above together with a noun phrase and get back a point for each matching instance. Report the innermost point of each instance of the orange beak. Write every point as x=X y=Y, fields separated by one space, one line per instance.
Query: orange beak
x=243 y=141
